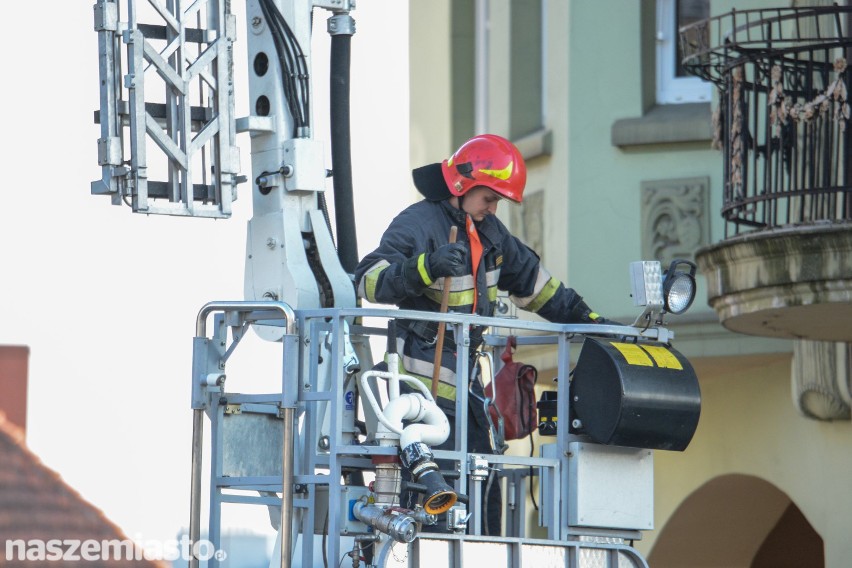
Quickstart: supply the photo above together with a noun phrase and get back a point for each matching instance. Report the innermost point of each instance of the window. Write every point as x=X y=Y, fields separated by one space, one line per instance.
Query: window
x=527 y=67
x=674 y=84
x=464 y=68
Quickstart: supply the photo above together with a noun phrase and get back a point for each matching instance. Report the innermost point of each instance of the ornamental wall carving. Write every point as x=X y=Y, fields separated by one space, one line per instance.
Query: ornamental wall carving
x=675 y=220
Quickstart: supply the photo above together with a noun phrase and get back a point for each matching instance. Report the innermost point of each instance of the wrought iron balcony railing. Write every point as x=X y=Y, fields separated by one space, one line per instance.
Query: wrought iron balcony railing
x=782 y=120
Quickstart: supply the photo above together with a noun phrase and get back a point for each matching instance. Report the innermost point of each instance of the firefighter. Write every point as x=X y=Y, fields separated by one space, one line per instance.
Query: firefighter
x=414 y=257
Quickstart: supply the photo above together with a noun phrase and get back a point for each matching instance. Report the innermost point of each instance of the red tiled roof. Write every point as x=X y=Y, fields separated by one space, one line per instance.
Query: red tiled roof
x=37 y=505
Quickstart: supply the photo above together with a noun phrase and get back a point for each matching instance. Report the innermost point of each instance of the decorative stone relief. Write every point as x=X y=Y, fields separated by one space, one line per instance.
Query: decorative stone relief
x=675 y=220
x=821 y=379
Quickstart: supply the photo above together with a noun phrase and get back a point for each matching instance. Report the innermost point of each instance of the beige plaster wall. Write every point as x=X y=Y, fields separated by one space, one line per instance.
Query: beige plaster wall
x=749 y=426
x=430 y=82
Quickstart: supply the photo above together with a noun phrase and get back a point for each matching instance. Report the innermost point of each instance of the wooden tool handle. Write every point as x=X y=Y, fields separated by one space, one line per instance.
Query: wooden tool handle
x=442 y=326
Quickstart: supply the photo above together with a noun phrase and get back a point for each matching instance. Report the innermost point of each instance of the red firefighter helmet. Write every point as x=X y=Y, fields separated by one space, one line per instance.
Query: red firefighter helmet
x=488 y=160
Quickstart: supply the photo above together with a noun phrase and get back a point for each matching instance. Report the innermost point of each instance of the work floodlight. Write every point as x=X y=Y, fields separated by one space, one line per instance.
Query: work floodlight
x=659 y=292
x=679 y=287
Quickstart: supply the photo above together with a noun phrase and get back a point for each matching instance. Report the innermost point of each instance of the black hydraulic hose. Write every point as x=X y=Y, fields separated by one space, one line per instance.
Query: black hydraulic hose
x=341 y=153
x=294 y=71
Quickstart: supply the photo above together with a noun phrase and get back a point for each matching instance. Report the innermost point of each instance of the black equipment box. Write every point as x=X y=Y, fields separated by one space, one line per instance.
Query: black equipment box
x=642 y=395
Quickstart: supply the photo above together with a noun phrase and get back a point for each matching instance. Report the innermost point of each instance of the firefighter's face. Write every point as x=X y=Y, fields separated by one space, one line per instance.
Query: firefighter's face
x=480 y=202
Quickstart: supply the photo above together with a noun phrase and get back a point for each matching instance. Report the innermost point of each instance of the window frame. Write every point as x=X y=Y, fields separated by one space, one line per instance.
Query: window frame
x=670 y=88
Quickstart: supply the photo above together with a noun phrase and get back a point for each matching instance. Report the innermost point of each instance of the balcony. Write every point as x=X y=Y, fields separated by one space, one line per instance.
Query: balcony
x=784 y=267
x=793 y=282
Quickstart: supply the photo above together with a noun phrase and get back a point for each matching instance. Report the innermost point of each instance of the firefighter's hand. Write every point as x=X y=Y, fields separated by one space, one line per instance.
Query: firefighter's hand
x=449 y=260
x=582 y=313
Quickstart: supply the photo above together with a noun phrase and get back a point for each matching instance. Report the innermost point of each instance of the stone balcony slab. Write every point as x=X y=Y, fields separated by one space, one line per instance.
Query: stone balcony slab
x=792 y=282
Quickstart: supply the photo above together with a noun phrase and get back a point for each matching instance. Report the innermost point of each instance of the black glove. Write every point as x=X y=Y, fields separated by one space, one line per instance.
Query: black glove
x=448 y=260
x=582 y=313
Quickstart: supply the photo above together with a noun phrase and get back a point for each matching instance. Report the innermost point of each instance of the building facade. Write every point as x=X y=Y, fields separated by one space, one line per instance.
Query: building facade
x=619 y=146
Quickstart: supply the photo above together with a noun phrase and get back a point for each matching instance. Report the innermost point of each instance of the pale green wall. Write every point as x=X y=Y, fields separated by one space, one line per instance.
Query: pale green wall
x=430 y=82
x=748 y=423
x=604 y=181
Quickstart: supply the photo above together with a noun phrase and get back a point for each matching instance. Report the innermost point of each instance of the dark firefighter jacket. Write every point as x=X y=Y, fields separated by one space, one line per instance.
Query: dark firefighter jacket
x=397 y=273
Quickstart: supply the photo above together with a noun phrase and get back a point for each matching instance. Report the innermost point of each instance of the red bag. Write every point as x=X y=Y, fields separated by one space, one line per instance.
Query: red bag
x=515 y=395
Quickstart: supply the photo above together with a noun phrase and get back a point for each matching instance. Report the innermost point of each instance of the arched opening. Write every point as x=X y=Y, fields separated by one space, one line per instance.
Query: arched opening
x=737 y=521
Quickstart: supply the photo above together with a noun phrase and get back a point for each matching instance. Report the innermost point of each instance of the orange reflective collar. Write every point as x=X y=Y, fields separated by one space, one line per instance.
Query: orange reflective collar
x=475 y=254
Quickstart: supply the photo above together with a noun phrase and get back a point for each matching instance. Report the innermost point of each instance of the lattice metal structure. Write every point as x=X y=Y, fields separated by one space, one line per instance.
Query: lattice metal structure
x=783 y=112
x=166 y=106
